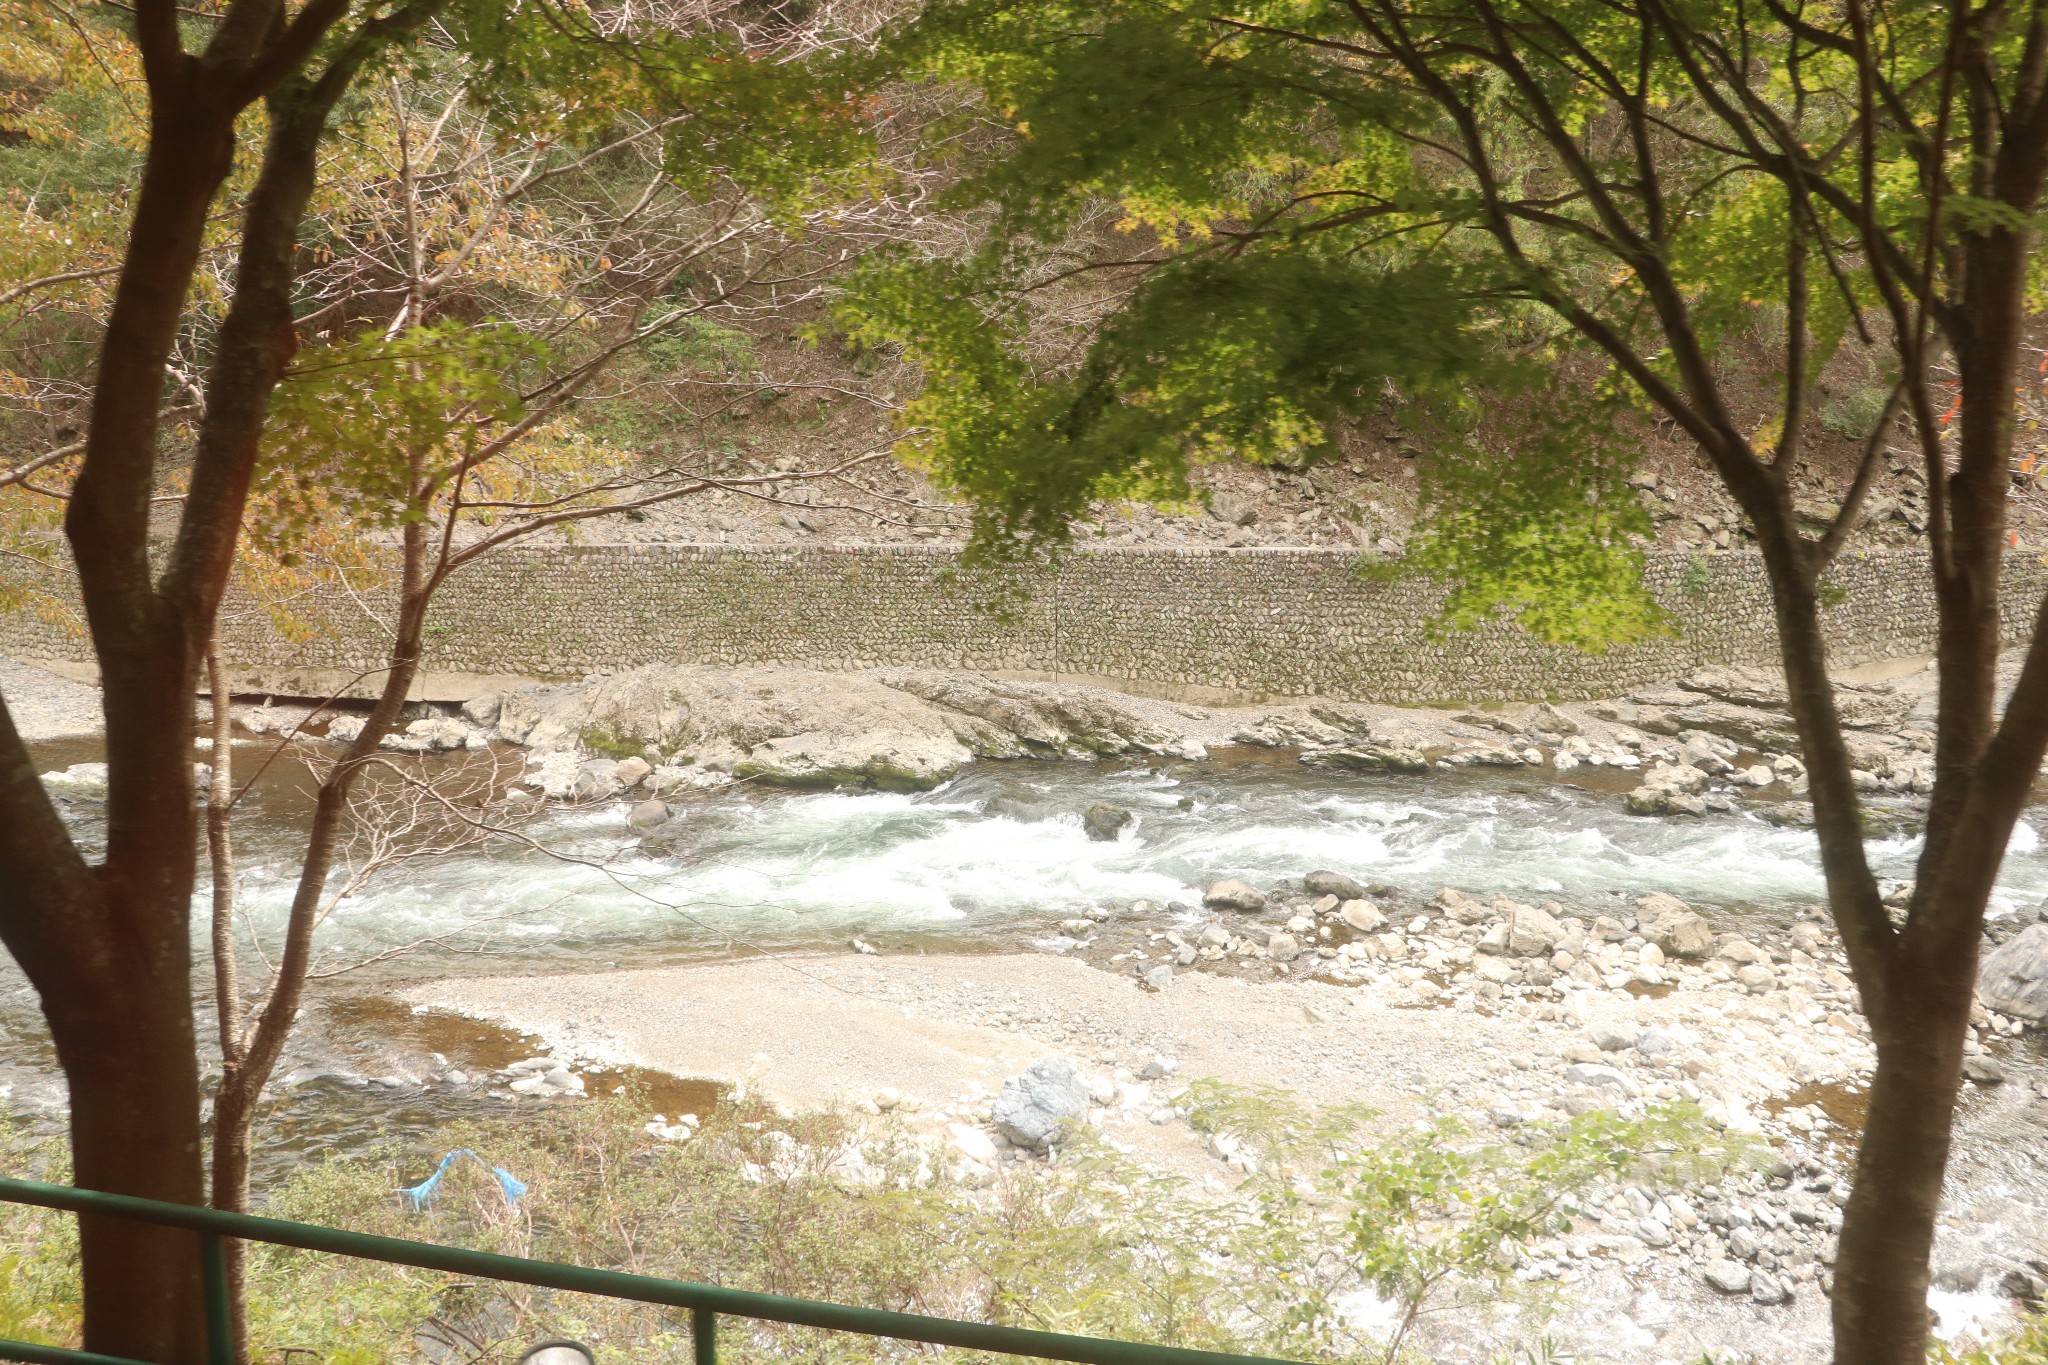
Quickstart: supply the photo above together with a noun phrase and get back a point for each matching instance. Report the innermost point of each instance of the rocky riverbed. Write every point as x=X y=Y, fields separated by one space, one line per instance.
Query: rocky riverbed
x=1505 y=1013
x=1523 y=960
x=1442 y=1016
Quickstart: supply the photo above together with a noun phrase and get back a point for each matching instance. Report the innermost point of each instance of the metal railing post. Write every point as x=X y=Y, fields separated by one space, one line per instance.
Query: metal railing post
x=704 y=1335
x=213 y=1273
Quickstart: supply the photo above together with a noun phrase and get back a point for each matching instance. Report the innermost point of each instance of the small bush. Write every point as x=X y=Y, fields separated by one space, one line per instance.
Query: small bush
x=39 y=1287
x=1855 y=413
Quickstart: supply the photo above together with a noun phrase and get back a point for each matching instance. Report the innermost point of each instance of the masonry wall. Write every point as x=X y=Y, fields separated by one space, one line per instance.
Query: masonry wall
x=1194 y=622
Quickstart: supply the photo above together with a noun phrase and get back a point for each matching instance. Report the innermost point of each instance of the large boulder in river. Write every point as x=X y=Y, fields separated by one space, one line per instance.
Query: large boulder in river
x=1104 y=822
x=2013 y=978
x=891 y=762
x=1670 y=789
x=1332 y=884
x=1007 y=718
x=1234 y=894
x=1035 y=1108
x=898 y=728
x=597 y=780
x=782 y=726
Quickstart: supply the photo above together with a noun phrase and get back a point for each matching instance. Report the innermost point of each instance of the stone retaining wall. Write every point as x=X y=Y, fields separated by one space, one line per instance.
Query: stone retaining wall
x=1203 y=624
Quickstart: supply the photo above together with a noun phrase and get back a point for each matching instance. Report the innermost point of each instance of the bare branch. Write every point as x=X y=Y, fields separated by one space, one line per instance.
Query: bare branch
x=64 y=277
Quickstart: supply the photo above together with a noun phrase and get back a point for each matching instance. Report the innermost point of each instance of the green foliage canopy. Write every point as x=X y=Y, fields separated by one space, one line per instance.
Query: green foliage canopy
x=1323 y=208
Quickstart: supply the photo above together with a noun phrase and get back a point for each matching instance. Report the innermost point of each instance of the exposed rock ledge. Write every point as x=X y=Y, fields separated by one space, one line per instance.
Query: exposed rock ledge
x=894 y=729
x=1702 y=743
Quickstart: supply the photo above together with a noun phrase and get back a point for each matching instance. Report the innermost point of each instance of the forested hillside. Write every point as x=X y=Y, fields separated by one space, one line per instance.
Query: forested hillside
x=657 y=330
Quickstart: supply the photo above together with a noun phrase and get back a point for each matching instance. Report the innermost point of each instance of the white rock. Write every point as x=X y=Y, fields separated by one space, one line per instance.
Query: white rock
x=431 y=732
x=1035 y=1107
x=84 y=777
x=1459 y=906
x=1613 y=1035
x=1592 y=1073
x=1532 y=932
x=1234 y=894
x=1741 y=950
x=2013 y=978
x=1363 y=916
x=1730 y=1277
x=972 y=1143
x=1756 y=978
x=1766 y=1288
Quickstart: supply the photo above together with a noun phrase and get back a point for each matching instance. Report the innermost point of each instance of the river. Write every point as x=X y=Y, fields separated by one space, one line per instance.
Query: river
x=992 y=860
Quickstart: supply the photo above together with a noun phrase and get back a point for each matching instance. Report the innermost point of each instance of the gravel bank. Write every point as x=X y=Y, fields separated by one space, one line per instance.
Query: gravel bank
x=934 y=1037
x=45 y=706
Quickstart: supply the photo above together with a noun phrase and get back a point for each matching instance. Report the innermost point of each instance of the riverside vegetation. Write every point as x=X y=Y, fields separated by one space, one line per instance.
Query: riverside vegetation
x=1328 y=1232
x=1333 y=1249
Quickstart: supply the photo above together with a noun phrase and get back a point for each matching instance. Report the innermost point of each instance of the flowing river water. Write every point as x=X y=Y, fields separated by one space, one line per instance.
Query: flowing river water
x=990 y=861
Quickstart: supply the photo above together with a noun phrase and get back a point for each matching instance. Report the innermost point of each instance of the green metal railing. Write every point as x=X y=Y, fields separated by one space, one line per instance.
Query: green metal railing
x=705 y=1302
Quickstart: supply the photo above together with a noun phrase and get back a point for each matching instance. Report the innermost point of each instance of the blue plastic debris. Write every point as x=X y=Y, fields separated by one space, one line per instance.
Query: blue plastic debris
x=417 y=1197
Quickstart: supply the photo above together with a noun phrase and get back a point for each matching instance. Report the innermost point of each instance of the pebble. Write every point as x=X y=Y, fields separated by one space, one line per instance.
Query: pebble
x=1730 y=1277
x=1610 y=1036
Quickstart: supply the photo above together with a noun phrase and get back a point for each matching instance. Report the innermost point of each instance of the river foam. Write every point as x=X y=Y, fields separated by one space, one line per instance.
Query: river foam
x=1003 y=845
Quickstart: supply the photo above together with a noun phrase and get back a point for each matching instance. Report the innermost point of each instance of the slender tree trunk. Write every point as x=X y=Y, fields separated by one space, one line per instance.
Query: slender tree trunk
x=1880 y=1294
x=220 y=848
x=230 y=1139
x=256 y=1051
x=233 y=1123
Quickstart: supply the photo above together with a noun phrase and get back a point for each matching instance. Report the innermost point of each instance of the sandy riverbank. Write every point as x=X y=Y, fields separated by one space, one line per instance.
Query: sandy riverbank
x=944 y=1031
x=820 y=1030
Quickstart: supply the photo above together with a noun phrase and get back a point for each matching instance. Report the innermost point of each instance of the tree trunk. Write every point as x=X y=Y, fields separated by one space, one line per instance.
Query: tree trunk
x=1880 y=1291
x=108 y=948
x=230 y=1132
x=134 y=1085
x=117 y=987
x=234 y=1120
